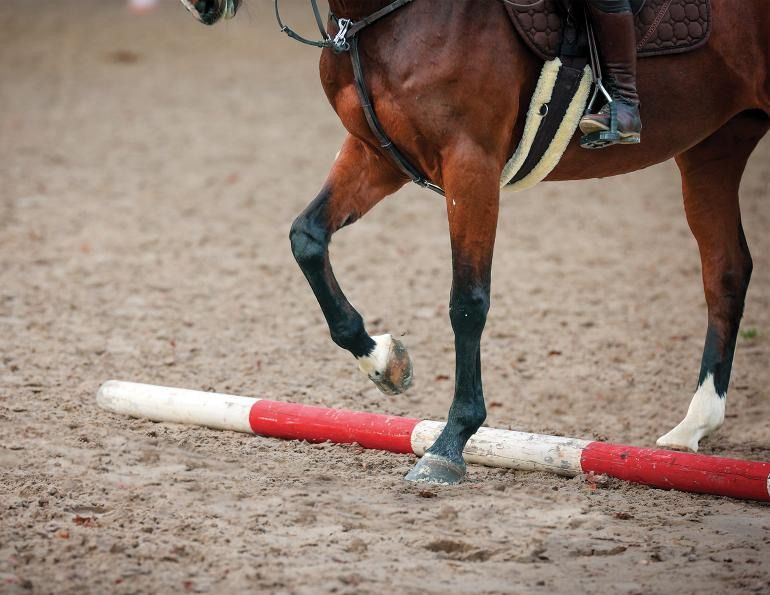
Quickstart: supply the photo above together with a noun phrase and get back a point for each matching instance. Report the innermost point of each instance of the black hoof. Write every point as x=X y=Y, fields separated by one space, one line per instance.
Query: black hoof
x=436 y=469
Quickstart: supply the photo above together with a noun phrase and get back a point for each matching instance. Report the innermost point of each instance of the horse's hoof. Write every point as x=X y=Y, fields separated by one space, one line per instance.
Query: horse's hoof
x=681 y=437
x=388 y=365
x=704 y=416
x=436 y=469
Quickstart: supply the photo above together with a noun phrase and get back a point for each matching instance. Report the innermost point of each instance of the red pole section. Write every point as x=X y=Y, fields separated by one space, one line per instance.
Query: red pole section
x=319 y=424
x=489 y=446
x=682 y=471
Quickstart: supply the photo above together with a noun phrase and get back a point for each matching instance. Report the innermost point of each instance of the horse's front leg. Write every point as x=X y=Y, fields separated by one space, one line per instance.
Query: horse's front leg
x=472 y=205
x=358 y=180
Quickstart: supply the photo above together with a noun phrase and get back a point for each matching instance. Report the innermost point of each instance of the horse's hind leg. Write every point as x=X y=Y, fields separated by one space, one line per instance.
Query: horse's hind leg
x=711 y=174
x=472 y=204
x=359 y=179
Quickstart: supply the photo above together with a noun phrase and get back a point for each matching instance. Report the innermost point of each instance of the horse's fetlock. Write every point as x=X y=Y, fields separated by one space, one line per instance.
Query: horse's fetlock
x=348 y=333
x=471 y=417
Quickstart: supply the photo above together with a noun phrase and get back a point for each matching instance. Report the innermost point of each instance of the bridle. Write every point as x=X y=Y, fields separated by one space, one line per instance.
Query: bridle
x=346 y=40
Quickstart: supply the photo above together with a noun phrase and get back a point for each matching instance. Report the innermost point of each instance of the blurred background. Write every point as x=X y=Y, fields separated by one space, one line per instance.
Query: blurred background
x=150 y=168
x=130 y=137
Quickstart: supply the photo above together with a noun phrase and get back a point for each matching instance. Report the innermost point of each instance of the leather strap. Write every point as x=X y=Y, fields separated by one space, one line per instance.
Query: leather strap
x=374 y=124
x=376 y=16
x=346 y=40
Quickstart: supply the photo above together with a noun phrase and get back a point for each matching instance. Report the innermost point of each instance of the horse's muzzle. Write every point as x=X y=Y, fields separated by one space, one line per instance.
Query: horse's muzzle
x=209 y=12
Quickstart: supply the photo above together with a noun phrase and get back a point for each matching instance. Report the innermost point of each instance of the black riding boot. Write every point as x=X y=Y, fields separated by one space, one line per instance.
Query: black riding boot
x=613 y=23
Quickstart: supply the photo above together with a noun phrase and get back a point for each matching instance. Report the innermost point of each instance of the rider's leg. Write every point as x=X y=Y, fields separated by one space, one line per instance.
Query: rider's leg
x=613 y=23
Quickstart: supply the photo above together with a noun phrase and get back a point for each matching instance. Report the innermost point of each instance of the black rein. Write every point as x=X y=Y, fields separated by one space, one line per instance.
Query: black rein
x=346 y=40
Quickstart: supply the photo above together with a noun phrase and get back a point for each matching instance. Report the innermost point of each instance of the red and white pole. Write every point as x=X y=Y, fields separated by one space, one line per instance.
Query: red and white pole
x=492 y=447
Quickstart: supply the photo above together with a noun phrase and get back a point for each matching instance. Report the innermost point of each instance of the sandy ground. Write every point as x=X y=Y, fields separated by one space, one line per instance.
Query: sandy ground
x=150 y=169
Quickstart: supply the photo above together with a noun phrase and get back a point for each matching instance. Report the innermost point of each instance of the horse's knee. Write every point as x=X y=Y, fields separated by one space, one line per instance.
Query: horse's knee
x=734 y=282
x=747 y=268
x=468 y=310
x=308 y=242
x=737 y=277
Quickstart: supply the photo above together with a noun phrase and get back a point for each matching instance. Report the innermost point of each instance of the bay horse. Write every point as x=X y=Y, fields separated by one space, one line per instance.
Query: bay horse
x=450 y=82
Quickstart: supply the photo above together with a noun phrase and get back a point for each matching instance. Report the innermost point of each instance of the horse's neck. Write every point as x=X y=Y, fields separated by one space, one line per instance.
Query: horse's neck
x=355 y=9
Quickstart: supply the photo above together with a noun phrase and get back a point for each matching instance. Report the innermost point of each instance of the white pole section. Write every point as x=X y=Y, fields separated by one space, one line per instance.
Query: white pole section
x=499 y=448
x=510 y=449
x=178 y=405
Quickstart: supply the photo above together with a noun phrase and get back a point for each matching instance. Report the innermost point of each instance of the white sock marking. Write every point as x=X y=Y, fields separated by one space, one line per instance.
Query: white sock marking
x=705 y=414
x=374 y=364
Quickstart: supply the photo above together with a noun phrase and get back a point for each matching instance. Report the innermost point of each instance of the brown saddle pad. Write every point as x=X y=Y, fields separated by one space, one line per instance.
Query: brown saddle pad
x=662 y=26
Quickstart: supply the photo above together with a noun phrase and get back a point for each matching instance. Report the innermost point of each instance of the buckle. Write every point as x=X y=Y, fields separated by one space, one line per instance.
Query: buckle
x=340 y=42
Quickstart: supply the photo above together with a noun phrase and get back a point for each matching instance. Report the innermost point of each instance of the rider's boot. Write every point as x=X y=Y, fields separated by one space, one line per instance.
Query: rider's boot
x=613 y=23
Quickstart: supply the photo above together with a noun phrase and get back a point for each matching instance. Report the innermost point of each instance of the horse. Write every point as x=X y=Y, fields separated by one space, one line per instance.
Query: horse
x=450 y=83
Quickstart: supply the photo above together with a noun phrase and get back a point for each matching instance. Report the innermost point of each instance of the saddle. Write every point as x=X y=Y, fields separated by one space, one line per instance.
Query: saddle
x=555 y=31
x=662 y=26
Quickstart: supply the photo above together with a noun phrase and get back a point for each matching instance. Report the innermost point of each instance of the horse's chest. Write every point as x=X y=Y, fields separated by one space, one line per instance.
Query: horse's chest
x=337 y=81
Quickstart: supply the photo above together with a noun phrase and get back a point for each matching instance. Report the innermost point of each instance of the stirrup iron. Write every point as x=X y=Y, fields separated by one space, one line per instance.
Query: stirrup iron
x=602 y=138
